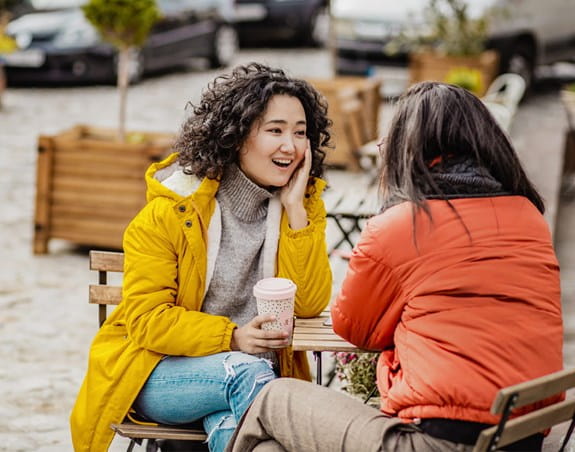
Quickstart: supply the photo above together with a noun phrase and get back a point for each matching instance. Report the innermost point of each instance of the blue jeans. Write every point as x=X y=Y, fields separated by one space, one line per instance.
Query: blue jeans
x=217 y=388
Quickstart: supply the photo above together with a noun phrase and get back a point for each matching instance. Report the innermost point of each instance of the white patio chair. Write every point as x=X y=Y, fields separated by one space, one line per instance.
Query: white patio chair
x=503 y=97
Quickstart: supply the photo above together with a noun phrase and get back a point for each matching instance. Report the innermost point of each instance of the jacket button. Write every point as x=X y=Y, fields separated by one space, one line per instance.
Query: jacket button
x=188 y=224
x=182 y=208
x=307 y=195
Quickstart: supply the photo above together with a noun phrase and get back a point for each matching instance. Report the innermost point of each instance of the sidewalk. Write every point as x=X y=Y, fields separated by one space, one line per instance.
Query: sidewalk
x=46 y=324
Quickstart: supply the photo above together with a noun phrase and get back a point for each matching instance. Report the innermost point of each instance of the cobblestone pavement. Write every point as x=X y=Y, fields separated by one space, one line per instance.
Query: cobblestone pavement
x=45 y=322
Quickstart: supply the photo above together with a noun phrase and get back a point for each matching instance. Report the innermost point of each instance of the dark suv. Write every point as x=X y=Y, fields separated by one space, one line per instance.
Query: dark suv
x=527 y=34
x=300 y=21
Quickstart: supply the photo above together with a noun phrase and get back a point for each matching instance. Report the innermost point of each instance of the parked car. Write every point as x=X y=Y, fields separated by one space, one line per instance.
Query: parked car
x=57 y=44
x=526 y=32
x=293 y=21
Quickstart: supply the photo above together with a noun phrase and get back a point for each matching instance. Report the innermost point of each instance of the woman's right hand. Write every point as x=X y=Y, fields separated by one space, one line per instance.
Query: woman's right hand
x=250 y=338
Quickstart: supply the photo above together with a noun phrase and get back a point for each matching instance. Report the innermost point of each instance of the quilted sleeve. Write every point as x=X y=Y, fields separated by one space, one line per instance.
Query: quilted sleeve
x=370 y=302
x=153 y=319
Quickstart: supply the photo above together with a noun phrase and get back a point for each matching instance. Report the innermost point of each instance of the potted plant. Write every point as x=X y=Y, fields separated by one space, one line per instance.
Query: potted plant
x=467 y=78
x=449 y=44
x=357 y=373
x=125 y=25
x=90 y=180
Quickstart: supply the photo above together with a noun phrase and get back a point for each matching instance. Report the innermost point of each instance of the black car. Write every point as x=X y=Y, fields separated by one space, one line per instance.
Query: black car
x=57 y=44
x=293 y=21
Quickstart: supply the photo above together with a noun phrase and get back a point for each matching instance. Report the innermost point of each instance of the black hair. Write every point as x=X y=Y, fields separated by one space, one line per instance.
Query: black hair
x=211 y=138
x=436 y=121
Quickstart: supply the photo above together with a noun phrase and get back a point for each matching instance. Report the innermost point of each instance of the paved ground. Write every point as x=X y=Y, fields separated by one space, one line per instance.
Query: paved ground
x=45 y=322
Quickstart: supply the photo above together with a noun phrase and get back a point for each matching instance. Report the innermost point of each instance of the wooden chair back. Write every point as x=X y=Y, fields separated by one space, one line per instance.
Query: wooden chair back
x=519 y=395
x=104 y=295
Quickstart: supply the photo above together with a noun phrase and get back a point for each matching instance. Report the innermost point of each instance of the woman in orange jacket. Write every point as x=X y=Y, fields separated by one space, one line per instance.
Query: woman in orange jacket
x=240 y=201
x=455 y=282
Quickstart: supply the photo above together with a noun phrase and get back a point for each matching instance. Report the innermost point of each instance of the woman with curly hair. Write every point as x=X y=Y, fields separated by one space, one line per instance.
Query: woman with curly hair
x=238 y=202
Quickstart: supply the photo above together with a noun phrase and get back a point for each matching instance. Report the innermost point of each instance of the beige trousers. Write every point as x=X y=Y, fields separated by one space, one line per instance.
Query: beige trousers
x=296 y=416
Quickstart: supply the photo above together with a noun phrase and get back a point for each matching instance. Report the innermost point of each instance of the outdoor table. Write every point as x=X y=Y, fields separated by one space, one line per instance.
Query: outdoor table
x=311 y=335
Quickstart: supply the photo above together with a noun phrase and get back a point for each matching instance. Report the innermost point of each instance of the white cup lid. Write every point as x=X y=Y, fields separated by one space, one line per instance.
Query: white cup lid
x=275 y=288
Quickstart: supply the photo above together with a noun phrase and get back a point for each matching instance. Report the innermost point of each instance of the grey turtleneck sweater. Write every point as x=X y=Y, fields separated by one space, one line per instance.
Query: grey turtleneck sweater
x=239 y=264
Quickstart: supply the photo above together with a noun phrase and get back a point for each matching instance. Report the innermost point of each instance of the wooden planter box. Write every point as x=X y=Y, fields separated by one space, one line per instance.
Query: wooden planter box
x=89 y=186
x=354 y=104
x=435 y=67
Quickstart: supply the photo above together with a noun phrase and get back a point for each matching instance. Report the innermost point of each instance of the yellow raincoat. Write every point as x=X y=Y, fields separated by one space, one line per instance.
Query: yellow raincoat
x=164 y=284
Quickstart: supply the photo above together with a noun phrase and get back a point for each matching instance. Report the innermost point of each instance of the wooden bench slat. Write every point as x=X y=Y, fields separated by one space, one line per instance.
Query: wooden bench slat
x=129 y=430
x=111 y=295
x=535 y=390
x=309 y=323
x=325 y=346
x=528 y=424
x=107 y=261
x=313 y=329
x=318 y=335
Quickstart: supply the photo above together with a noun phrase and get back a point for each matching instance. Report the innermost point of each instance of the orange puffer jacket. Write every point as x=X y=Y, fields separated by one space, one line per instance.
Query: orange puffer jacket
x=461 y=307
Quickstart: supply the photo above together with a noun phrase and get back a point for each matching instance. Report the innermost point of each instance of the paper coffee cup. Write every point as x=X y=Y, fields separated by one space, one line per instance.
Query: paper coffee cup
x=276 y=296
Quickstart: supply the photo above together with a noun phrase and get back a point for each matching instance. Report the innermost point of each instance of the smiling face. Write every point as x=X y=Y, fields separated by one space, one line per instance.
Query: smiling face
x=276 y=143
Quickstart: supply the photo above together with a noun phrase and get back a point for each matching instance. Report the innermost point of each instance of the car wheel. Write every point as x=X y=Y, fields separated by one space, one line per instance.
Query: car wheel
x=521 y=61
x=225 y=46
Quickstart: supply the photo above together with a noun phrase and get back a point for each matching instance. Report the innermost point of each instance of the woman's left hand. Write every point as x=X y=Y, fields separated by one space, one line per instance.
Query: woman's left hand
x=292 y=194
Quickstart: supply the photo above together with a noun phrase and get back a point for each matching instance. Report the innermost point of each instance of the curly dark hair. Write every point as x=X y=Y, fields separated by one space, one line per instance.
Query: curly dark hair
x=211 y=138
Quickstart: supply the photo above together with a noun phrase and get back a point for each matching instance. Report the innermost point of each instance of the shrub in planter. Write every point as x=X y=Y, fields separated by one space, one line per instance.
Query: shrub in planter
x=449 y=38
x=357 y=373
x=125 y=24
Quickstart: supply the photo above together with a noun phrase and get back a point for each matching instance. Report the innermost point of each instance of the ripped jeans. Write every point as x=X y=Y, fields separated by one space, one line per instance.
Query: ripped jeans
x=217 y=388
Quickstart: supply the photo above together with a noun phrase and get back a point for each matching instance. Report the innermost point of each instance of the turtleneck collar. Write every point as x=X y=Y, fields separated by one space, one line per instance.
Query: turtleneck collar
x=464 y=176
x=245 y=199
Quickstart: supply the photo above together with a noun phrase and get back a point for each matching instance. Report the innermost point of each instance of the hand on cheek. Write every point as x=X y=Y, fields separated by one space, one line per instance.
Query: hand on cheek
x=293 y=192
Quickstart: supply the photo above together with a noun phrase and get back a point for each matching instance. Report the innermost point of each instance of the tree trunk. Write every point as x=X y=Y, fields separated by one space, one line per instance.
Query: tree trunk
x=123 y=81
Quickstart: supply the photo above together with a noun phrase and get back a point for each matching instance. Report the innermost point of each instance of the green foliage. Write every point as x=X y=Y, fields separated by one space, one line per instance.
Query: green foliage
x=447 y=28
x=357 y=371
x=571 y=87
x=467 y=78
x=123 y=23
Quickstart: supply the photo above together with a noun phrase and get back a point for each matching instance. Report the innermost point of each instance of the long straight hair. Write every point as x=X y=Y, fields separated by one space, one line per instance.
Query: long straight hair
x=440 y=121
